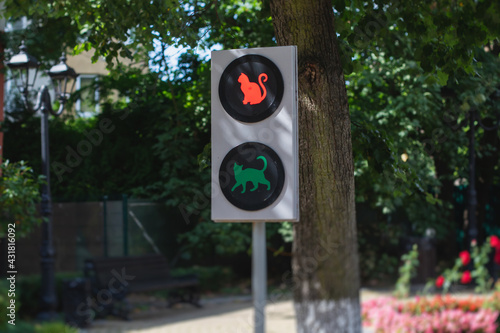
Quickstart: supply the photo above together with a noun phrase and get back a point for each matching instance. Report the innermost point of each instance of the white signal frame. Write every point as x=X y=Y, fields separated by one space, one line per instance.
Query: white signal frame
x=279 y=131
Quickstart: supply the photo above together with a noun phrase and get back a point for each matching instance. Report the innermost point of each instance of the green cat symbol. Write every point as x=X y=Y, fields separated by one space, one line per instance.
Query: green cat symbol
x=250 y=175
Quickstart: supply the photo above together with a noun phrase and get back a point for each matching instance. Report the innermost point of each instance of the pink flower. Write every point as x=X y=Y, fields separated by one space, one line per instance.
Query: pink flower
x=439 y=281
x=383 y=316
x=465 y=257
x=466 y=278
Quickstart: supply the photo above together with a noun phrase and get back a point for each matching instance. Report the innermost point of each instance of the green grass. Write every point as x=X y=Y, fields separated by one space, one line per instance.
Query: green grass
x=27 y=327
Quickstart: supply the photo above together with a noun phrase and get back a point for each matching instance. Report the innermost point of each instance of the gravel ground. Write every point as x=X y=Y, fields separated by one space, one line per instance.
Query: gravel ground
x=218 y=315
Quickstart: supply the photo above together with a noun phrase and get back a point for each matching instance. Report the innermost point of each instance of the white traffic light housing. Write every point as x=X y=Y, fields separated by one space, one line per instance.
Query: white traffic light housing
x=255 y=135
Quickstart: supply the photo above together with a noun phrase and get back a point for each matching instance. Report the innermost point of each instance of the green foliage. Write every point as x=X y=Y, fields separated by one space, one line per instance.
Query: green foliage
x=49 y=327
x=219 y=239
x=4 y=303
x=23 y=302
x=390 y=105
x=111 y=30
x=406 y=272
x=439 y=36
x=410 y=136
x=480 y=256
x=18 y=195
x=54 y=327
x=212 y=278
x=20 y=327
x=398 y=57
x=286 y=231
x=120 y=140
x=45 y=40
x=377 y=265
x=158 y=130
x=452 y=275
x=28 y=292
x=480 y=274
x=378 y=244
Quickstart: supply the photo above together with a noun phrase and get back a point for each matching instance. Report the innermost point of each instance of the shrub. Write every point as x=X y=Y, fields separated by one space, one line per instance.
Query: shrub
x=29 y=292
x=50 y=327
x=4 y=303
x=20 y=327
x=211 y=278
x=406 y=272
x=18 y=195
x=459 y=272
x=54 y=327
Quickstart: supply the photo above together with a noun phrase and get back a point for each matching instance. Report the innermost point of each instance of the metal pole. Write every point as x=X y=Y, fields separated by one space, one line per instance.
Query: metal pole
x=105 y=224
x=472 y=180
x=48 y=300
x=259 y=275
x=125 y=224
x=2 y=83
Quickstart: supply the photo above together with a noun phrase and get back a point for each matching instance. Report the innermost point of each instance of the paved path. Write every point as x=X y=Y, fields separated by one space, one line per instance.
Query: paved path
x=231 y=315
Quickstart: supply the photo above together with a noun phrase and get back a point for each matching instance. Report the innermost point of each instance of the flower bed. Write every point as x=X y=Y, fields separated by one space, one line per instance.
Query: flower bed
x=428 y=315
x=439 y=303
x=442 y=314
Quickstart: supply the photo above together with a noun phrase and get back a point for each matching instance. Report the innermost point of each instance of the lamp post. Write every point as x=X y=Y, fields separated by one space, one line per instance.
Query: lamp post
x=61 y=74
x=472 y=193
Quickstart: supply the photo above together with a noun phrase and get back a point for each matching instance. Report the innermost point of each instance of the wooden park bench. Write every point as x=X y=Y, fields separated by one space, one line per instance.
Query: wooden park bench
x=112 y=279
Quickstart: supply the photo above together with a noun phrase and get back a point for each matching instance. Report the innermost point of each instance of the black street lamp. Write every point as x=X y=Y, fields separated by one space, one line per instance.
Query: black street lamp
x=472 y=193
x=61 y=74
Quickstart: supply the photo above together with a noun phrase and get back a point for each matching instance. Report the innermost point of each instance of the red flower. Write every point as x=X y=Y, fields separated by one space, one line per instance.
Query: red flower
x=465 y=257
x=439 y=281
x=466 y=278
x=495 y=242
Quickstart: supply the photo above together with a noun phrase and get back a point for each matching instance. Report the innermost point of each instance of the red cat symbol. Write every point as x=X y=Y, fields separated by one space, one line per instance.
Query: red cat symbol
x=251 y=90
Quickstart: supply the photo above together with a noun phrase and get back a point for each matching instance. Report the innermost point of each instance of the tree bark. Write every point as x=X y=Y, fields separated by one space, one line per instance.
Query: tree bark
x=325 y=259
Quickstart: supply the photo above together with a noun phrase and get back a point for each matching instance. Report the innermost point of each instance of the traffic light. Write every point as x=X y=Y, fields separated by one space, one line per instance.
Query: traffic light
x=255 y=135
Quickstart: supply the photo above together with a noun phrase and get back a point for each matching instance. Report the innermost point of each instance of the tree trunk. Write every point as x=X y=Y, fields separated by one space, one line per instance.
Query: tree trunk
x=325 y=259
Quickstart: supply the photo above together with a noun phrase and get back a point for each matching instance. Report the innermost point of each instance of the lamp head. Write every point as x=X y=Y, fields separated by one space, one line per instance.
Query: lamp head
x=23 y=60
x=21 y=64
x=61 y=74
